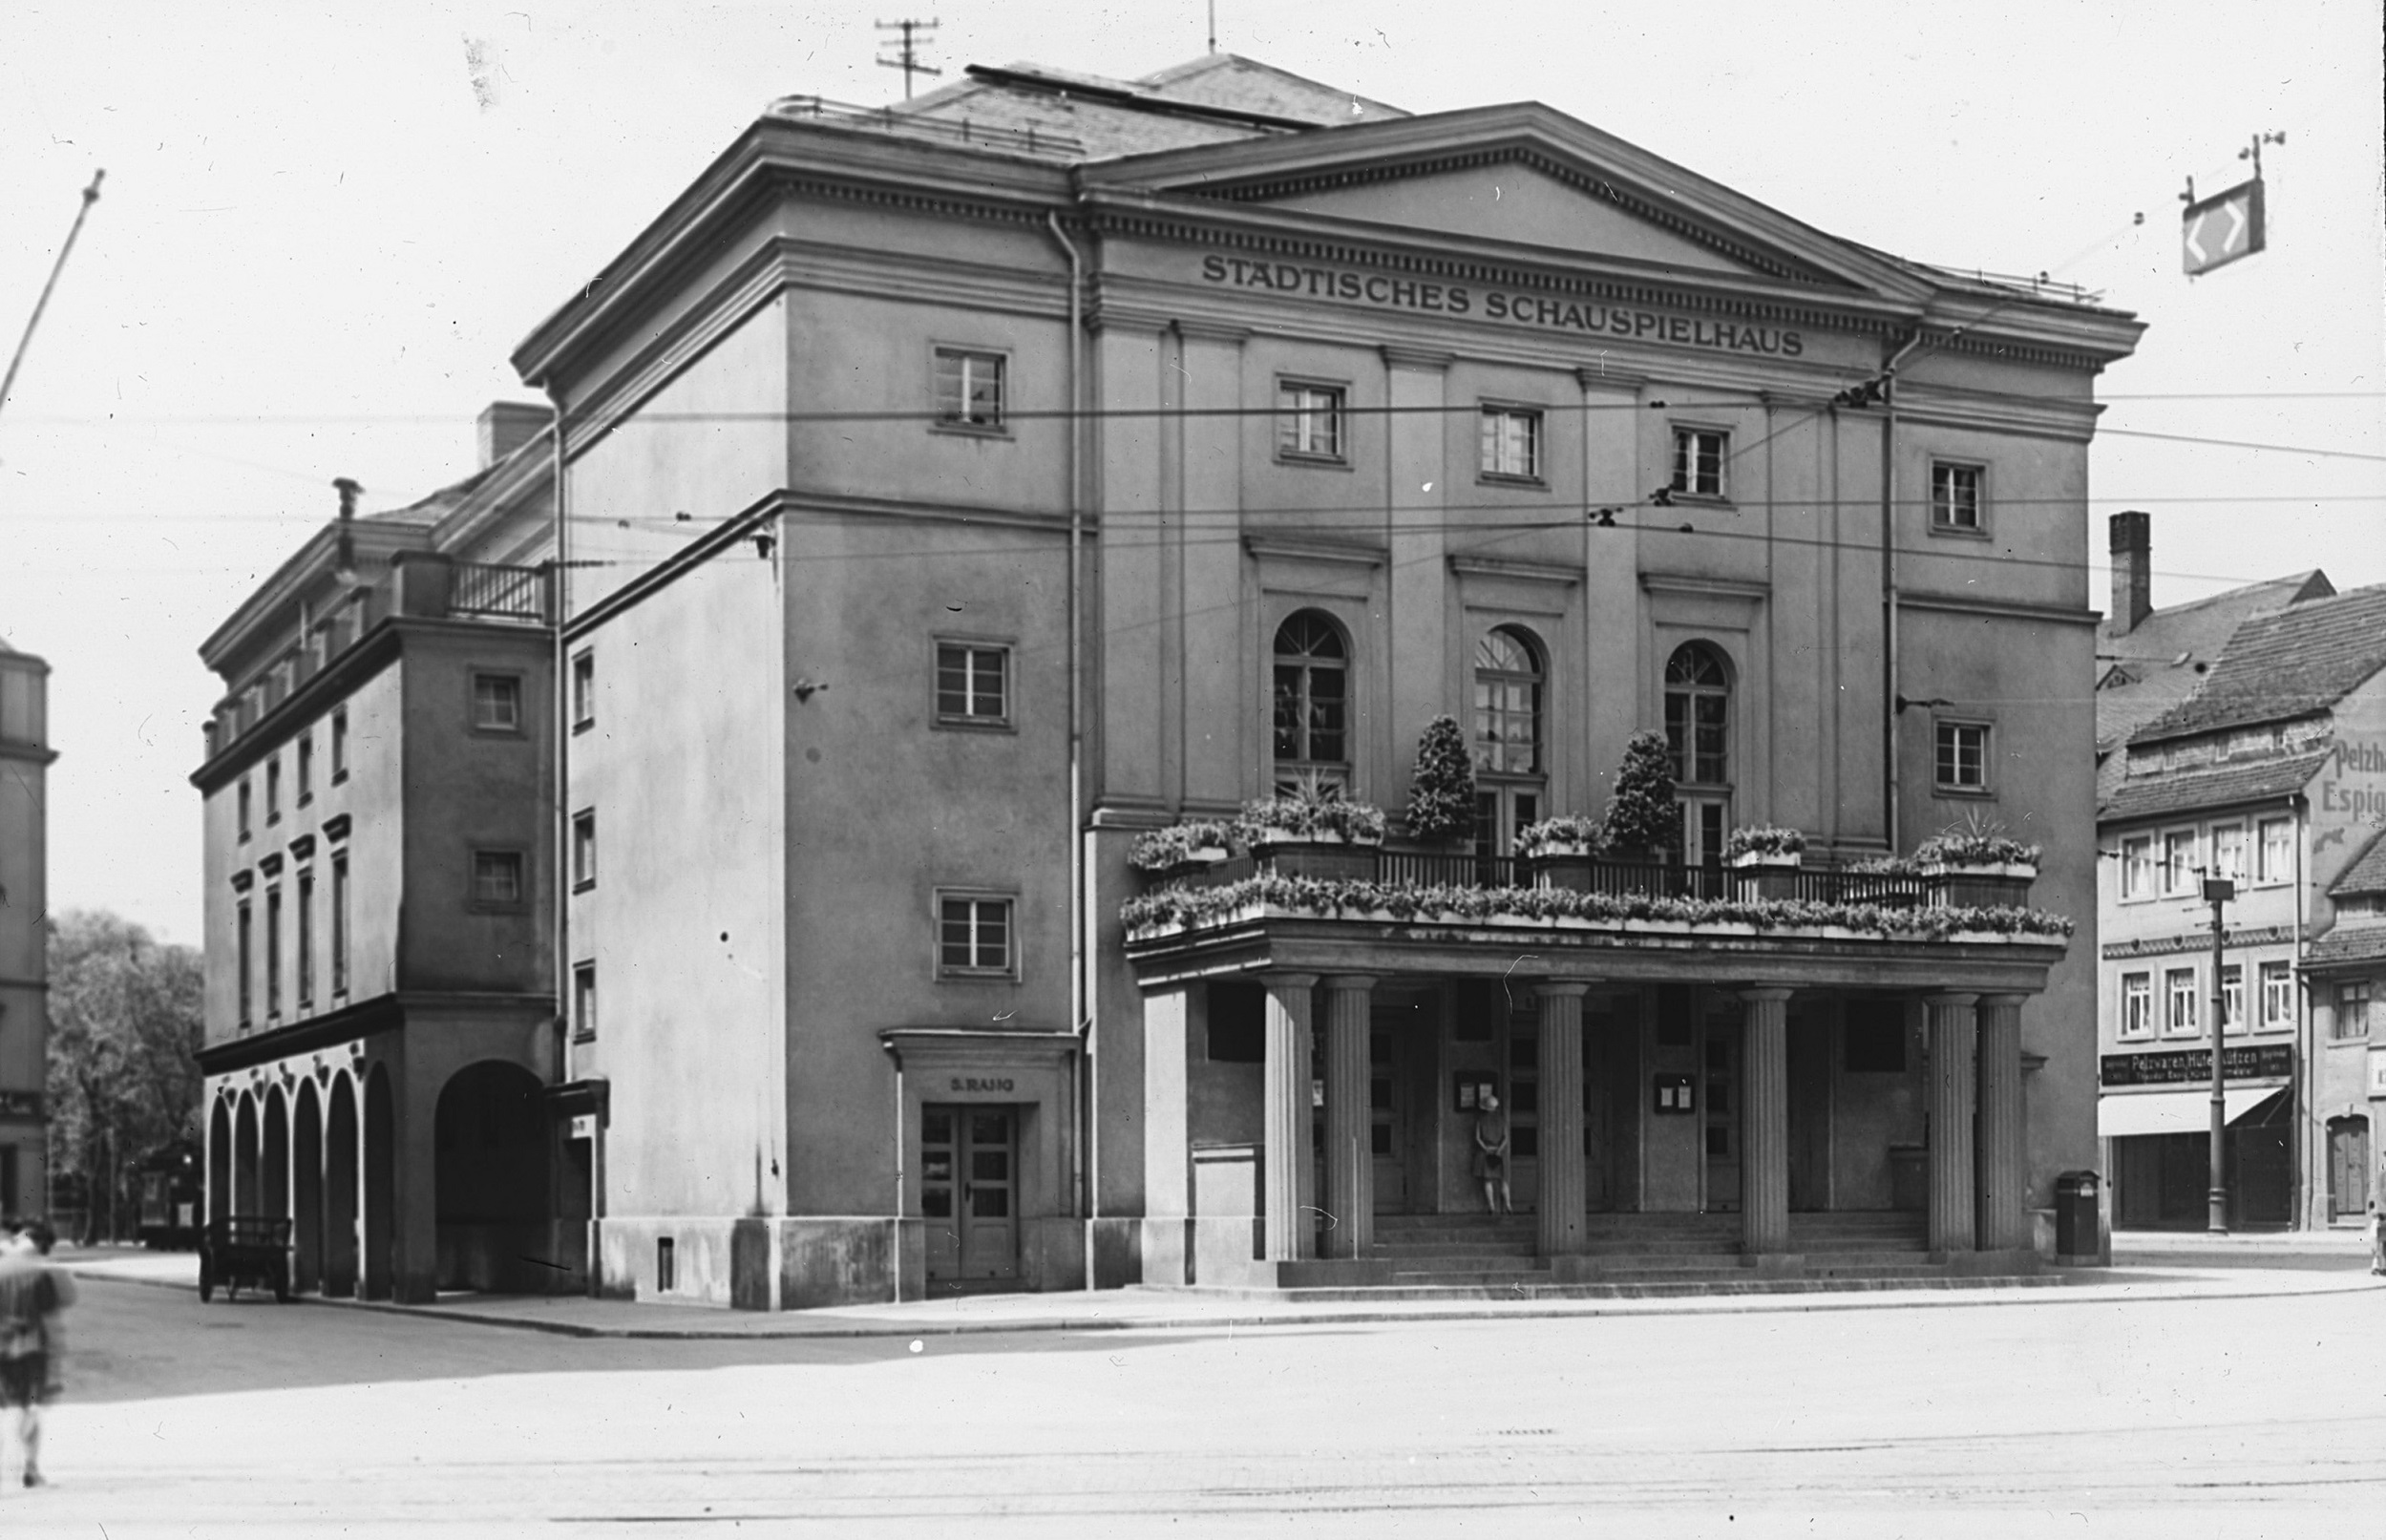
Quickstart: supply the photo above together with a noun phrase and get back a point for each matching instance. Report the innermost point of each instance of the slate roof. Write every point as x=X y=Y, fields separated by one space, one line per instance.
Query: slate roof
x=2367 y=874
x=2293 y=662
x=1209 y=100
x=2354 y=943
x=2148 y=796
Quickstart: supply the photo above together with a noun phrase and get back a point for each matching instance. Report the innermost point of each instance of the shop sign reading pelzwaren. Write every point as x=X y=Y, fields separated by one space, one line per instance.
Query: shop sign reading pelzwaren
x=2258 y=1062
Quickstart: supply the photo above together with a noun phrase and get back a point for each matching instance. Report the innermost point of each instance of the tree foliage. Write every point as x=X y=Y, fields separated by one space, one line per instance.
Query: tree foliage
x=1442 y=793
x=123 y=1074
x=1640 y=814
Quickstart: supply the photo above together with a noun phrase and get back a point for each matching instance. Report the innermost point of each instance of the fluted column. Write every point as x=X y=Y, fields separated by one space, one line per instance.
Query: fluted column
x=2000 y=1177
x=1764 y=1121
x=1349 y=1197
x=1286 y=1092
x=1951 y=1197
x=1563 y=1197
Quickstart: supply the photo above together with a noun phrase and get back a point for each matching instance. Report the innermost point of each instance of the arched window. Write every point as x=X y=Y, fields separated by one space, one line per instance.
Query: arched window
x=1698 y=733
x=1312 y=707
x=1510 y=775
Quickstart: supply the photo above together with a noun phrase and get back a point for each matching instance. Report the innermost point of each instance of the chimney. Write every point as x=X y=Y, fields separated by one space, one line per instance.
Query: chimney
x=2133 y=573
x=506 y=426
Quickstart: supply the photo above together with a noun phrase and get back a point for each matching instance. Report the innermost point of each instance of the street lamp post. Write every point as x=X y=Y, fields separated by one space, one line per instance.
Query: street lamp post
x=2218 y=890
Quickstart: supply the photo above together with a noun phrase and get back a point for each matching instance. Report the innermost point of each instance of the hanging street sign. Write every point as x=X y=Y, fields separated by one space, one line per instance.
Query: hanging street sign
x=2217 y=230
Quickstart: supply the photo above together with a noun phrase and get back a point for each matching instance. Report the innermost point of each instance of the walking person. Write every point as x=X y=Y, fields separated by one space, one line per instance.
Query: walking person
x=1491 y=1155
x=2377 y=1222
x=32 y=1293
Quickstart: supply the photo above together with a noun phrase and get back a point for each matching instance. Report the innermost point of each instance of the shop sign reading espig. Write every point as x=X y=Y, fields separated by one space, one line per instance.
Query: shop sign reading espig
x=1515 y=307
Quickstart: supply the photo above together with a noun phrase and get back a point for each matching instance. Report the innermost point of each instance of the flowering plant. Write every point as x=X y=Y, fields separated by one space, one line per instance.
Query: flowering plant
x=1312 y=809
x=1568 y=830
x=1967 y=849
x=1161 y=849
x=1763 y=839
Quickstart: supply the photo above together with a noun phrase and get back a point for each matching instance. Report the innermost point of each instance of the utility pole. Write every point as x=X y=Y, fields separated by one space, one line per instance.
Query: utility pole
x=90 y=196
x=2218 y=890
x=907 y=53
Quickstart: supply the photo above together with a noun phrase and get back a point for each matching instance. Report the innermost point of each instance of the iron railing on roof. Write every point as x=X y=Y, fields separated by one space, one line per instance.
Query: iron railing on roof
x=1029 y=141
x=484 y=590
x=2037 y=285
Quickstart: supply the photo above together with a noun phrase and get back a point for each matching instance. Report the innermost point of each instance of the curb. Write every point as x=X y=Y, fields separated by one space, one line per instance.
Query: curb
x=1737 y=1305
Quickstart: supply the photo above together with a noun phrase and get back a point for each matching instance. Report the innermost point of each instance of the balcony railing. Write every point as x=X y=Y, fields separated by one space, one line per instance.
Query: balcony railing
x=1815 y=884
x=484 y=591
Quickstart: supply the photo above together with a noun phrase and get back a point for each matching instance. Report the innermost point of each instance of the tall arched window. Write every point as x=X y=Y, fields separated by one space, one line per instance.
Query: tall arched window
x=1698 y=731
x=1510 y=775
x=1312 y=706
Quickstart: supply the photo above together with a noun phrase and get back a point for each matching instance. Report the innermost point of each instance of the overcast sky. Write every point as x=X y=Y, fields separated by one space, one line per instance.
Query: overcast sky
x=323 y=229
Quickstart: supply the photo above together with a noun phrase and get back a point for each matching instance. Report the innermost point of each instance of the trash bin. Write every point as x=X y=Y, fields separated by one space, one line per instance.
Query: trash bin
x=2075 y=1213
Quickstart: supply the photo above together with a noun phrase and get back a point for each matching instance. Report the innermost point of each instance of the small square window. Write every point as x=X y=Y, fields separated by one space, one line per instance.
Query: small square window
x=973 y=684
x=584 y=690
x=497 y=702
x=969 y=388
x=584 y=849
x=1961 y=757
x=584 y=1000
x=497 y=879
x=1512 y=443
x=974 y=937
x=2137 y=1004
x=339 y=746
x=1956 y=497
x=1700 y=454
x=1309 y=421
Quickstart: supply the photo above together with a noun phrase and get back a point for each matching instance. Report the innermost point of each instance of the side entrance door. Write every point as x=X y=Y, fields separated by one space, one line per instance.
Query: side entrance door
x=2348 y=1166
x=969 y=1191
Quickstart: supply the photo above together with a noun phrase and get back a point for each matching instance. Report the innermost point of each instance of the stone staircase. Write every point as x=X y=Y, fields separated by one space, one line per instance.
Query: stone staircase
x=1642 y=1255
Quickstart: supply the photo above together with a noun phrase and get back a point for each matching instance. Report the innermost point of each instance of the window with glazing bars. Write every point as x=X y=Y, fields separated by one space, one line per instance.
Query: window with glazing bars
x=1699 y=456
x=1512 y=443
x=973 y=683
x=1954 y=496
x=1698 y=713
x=1309 y=420
x=969 y=388
x=974 y=935
x=1311 y=705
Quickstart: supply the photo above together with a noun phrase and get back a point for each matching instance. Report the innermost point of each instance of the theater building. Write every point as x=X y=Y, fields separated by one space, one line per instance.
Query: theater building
x=25 y=760
x=2267 y=770
x=957 y=494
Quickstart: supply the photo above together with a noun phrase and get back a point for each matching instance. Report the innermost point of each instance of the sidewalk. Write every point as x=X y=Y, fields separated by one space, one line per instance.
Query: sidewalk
x=2145 y=1277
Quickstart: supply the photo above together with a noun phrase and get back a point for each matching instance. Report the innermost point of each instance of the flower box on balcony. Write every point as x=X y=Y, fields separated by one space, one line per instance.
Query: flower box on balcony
x=1980 y=884
x=1321 y=854
x=1765 y=874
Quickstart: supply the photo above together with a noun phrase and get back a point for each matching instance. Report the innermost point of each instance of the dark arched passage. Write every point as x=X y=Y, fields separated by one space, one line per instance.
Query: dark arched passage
x=339 y=1190
x=493 y=1138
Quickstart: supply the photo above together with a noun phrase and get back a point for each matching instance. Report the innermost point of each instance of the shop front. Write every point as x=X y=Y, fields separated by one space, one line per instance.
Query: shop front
x=2156 y=1111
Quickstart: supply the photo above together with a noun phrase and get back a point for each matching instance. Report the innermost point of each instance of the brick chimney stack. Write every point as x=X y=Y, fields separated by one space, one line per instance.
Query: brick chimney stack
x=506 y=426
x=2133 y=572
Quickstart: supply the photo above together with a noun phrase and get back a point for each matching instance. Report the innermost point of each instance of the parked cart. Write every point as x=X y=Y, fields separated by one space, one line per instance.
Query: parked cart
x=250 y=1250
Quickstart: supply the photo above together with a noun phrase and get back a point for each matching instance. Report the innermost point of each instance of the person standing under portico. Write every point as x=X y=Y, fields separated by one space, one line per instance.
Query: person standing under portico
x=1491 y=1155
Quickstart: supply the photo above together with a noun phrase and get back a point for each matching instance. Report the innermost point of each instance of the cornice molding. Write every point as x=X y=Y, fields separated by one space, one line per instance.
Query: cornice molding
x=1405 y=355
x=2008 y=609
x=1542 y=572
x=1669 y=583
x=1291 y=548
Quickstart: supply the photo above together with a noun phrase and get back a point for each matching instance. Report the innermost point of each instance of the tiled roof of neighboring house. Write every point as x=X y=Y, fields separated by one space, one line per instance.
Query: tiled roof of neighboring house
x=2367 y=874
x=2148 y=796
x=2162 y=659
x=2293 y=663
x=1209 y=100
x=2354 y=943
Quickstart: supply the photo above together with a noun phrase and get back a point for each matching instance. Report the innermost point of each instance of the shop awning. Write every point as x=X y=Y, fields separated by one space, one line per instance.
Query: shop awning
x=2178 y=1111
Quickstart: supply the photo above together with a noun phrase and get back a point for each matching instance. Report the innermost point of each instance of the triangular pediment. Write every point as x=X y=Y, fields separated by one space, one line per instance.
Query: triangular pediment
x=1516 y=202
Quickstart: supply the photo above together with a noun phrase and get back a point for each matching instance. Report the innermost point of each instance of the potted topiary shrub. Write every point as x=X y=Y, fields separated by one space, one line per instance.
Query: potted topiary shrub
x=1442 y=793
x=1312 y=831
x=1559 y=852
x=1180 y=850
x=1765 y=859
x=1641 y=822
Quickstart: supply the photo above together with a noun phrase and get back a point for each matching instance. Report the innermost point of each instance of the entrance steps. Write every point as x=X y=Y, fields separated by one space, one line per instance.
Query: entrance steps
x=1638 y=1255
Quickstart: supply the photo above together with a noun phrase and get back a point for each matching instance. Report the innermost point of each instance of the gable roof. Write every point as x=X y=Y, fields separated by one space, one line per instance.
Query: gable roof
x=2297 y=662
x=2366 y=875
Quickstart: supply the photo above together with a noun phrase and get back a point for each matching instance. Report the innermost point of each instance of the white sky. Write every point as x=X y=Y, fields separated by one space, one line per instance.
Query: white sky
x=318 y=242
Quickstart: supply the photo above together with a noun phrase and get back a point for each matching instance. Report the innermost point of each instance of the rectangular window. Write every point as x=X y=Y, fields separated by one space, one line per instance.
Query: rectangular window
x=1956 y=497
x=273 y=790
x=497 y=702
x=248 y=954
x=2179 y=861
x=305 y=768
x=2137 y=1004
x=584 y=690
x=969 y=388
x=584 y=1000
x=2278 y=996
x=973 y=684
x=305 y=940
x=1962 y=756
x=1698 y=457
x=2353 y=1013
x=497 y=879
x=974 y=935
x=2229 y=851
x=1308 y=421
x=2232 y=999
x=273 y=953
x=584 y=849
x=2179 y=1016
x=339 y=746
x=1512 y=443
x=2277 y=857
x=242 y=799
x=339 y=924
x=2136 y=868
